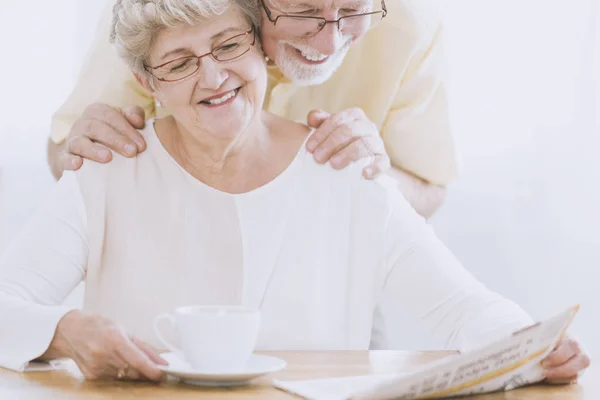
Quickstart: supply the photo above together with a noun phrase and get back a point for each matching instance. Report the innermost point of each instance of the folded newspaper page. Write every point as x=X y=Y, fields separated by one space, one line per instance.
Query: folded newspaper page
x=505 y=364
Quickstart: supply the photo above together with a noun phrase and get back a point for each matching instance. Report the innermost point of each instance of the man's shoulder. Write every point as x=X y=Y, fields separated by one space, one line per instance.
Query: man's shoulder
x=384 y=53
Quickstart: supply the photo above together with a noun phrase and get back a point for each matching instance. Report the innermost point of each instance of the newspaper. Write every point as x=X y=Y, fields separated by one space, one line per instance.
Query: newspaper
x=505 y=364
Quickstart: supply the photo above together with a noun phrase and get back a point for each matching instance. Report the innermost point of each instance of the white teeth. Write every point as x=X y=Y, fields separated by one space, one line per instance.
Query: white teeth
x=314 y=56
x=222 y=99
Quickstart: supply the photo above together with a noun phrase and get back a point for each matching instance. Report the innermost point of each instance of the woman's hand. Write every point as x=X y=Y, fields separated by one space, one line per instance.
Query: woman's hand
x=565 y=362
x=102 y=349
x=345 y=137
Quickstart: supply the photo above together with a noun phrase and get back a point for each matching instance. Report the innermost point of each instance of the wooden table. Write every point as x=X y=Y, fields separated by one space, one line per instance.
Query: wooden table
x=301 y=365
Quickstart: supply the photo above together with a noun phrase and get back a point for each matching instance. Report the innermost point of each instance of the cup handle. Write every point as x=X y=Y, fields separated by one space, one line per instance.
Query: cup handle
x=164 y=341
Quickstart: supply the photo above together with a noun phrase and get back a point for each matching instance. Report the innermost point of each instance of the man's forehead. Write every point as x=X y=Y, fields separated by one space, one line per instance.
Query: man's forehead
x=320 y=4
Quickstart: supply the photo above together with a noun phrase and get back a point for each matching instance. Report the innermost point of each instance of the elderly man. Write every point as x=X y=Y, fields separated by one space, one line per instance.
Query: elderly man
x=374 y=65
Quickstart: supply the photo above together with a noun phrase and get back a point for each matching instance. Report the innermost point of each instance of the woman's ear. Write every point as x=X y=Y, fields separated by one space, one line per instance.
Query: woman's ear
x=143 y=80
x=148 y=86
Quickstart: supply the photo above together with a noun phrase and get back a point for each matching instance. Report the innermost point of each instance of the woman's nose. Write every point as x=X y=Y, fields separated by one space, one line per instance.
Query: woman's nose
x=211 y=75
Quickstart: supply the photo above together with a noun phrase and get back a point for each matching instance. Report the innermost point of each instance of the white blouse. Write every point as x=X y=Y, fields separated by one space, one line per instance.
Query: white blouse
x=316 y=249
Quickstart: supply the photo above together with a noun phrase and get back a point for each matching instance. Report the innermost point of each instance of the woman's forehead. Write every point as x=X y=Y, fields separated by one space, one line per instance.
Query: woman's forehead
x=199 y=36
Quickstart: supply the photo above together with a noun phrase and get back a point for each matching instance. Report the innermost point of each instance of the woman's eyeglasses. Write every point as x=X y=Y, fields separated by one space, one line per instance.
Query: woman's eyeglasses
x=184 y=67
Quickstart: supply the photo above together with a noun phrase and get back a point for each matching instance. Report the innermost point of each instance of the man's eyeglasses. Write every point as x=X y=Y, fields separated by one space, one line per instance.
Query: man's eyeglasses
x=185 y=67
x=306 y=26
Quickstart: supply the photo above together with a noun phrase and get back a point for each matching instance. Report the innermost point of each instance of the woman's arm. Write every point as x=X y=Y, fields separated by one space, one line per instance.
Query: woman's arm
x=426 y=281
x=44 y=264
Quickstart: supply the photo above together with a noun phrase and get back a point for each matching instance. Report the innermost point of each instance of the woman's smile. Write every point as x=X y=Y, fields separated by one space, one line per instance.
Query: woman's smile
x=221 y=99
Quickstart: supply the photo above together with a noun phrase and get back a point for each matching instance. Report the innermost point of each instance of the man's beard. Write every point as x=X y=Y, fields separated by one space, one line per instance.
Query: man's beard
x=305 y=74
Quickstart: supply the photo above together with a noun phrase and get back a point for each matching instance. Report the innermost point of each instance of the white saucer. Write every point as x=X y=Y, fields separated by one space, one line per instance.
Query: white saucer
x=258 y=365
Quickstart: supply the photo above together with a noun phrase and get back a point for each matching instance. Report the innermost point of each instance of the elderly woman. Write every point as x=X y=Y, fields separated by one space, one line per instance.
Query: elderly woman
x=227 y=207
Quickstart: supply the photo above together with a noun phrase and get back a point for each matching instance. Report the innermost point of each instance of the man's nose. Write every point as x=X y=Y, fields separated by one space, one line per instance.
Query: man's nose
x=329 y=40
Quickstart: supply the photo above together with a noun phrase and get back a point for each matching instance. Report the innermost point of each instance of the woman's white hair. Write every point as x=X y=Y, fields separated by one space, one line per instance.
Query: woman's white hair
x=136 y=22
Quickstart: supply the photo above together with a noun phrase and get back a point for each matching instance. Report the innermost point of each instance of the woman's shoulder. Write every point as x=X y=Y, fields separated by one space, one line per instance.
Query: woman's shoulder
x=289 y=137
x=369 y=202
x=292 y=132
x=349 y=183
x=118 y=166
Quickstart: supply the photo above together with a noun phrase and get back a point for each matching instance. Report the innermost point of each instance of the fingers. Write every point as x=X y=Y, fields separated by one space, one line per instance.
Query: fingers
x=562 y=381
x=331 y=124
x=150 y=351
x=102 y=349
x=358 y=148
x=334 y=142
x=362 y=148
x=380 y=165
x=138 y=360
x=569 y=369
x=83 y=147
x=93 y=374
x=99 y=131
x=354 y=151
x=111 y=127
x=98 y=361
x=71 y=162
x=565 y=362
x=340 y=134
x=136 y=116
x=316 y=118
x=125 y=371
x=132 y=374
x=565 y=350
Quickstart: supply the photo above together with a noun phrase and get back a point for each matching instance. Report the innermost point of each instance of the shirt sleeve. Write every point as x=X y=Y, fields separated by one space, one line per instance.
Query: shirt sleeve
x=416 y=130
x=104 y=78
x=39 y=271
x=426 y=281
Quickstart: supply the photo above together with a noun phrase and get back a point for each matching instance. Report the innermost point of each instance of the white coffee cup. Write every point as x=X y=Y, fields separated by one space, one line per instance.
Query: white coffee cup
x=213 y=338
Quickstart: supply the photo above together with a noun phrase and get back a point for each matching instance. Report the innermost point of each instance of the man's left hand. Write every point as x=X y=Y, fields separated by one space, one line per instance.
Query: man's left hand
x=565 y=363
x=345 y=137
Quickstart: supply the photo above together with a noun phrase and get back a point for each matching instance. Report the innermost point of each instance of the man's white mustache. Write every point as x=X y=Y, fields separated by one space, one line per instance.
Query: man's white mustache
x=312 y=52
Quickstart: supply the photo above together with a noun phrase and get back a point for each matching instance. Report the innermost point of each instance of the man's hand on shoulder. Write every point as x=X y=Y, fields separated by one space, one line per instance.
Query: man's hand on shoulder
x=100 y=129
x=348 y=136
x=345 y=137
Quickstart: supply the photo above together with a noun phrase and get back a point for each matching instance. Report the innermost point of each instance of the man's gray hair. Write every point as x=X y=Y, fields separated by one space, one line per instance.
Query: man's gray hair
x=136 y=22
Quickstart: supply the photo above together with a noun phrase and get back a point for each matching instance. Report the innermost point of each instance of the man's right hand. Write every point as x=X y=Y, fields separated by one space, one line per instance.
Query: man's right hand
x=100 y=129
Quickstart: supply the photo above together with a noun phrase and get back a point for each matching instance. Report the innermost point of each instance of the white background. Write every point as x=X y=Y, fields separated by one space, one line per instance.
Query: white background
x=524 y=80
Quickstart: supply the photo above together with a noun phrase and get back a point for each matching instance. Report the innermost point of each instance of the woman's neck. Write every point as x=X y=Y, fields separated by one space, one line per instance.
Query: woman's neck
x=229 y=164
x=204 y=150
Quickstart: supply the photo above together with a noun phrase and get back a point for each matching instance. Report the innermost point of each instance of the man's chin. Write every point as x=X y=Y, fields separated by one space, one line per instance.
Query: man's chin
x=309 y=79
x=307 y=74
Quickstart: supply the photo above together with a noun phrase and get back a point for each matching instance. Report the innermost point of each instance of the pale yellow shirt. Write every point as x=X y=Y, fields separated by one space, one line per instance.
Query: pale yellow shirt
x=393 y=73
